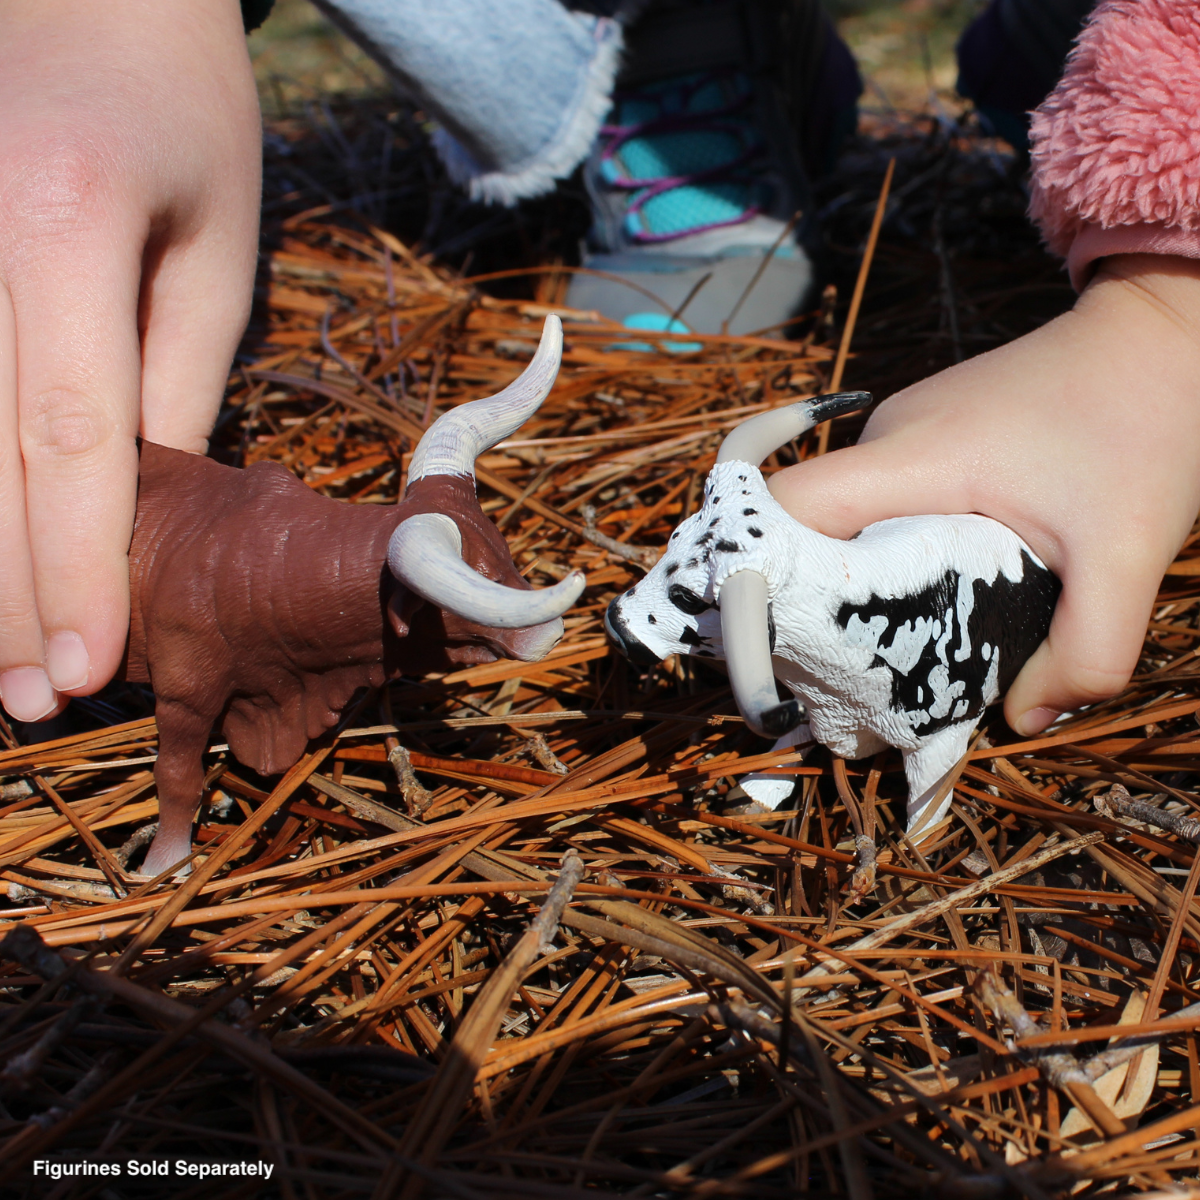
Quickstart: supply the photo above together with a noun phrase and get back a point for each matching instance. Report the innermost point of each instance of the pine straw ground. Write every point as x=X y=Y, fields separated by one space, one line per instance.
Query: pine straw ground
x=498 y=936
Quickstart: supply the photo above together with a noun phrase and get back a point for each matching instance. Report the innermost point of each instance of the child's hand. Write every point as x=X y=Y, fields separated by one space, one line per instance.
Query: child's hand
x=129 y=188
x=1083 y=437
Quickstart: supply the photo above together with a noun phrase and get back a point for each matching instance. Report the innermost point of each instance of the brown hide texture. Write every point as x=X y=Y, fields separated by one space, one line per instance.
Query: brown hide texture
x=260 y=604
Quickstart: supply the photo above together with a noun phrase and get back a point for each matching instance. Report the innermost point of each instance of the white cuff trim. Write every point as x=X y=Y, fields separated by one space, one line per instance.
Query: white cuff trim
x=570 y=145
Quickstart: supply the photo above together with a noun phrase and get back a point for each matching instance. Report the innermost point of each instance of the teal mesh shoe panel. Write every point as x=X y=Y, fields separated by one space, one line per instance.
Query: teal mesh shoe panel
x=685 y=153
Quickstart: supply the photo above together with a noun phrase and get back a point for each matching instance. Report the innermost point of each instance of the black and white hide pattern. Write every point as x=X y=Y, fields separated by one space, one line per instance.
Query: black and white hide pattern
x=901 y=636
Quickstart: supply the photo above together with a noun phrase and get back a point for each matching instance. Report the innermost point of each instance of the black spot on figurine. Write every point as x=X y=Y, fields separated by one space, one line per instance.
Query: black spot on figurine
x=1012 y=617
x=687 y=601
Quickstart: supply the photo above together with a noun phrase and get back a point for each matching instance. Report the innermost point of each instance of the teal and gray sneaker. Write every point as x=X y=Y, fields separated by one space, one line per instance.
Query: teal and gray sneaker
x=690 y=205
x=722 y=113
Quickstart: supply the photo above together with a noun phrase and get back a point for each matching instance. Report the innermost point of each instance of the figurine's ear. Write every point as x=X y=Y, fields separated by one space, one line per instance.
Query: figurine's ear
x=401 y=608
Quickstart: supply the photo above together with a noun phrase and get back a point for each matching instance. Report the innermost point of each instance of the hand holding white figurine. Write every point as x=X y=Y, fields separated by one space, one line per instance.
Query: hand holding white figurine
x=1082 y=437
x=901 y=637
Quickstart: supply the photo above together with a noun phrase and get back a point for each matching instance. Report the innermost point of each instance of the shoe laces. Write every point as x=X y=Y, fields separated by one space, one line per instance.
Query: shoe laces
x=687 y=155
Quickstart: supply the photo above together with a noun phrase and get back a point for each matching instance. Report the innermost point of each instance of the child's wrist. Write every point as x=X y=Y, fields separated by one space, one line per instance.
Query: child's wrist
x=1166 y=284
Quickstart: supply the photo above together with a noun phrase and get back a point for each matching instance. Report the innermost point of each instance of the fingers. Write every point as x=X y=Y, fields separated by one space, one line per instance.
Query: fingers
x=840 y=493
x=195 y=303
x=196 y=317
x=69 y=417
x=25 y=688
x=130 y=142
x=1094 y=642
x=78 y=387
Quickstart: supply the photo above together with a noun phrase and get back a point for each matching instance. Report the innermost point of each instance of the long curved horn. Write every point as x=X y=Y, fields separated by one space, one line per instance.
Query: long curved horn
x=456 y=439
x=753 y=440
x=425 y=554
x=745 y=632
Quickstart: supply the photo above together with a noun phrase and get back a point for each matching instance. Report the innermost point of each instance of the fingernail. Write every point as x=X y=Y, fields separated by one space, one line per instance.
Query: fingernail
x=26 y=693
x=67 y=661
x=1032 y=723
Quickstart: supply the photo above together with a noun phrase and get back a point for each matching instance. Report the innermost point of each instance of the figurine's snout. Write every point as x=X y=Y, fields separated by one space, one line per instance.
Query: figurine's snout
x=623 y=637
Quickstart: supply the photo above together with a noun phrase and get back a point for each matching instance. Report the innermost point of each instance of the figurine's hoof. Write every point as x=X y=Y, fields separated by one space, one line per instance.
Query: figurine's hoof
x=743 y=806
x=761 y=793
x=146 y=876
x=156 y=864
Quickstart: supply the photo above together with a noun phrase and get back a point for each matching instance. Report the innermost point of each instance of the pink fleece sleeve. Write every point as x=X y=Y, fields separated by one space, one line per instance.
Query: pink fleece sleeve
x=1116 y=146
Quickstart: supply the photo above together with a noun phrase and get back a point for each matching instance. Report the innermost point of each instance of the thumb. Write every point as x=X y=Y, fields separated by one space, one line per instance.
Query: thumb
x=840 y=493
x=1093 y=646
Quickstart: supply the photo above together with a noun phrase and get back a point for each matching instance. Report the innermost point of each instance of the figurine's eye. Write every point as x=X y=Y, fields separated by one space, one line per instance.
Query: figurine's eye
x=686 y=600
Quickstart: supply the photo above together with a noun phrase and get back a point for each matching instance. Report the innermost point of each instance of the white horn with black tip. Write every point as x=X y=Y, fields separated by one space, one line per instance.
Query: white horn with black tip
x=753 y=440
x=745 y=630
x=452 y=443
x=425 y=555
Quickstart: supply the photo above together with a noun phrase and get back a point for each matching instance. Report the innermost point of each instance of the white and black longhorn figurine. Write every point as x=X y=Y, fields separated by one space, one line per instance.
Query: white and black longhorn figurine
x=901 y=636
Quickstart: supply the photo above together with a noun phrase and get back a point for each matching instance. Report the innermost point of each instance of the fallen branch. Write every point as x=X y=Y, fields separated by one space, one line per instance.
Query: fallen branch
x=1060 y=1070
x=641 y=556
x=1118 y=802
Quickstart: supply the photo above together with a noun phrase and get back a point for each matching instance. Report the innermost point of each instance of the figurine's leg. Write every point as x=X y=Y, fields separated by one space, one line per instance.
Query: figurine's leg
x=179 y=776
x=766 y=789
x=927 y=768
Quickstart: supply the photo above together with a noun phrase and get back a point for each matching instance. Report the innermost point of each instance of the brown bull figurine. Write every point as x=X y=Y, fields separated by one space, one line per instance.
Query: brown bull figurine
x=263 y=607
